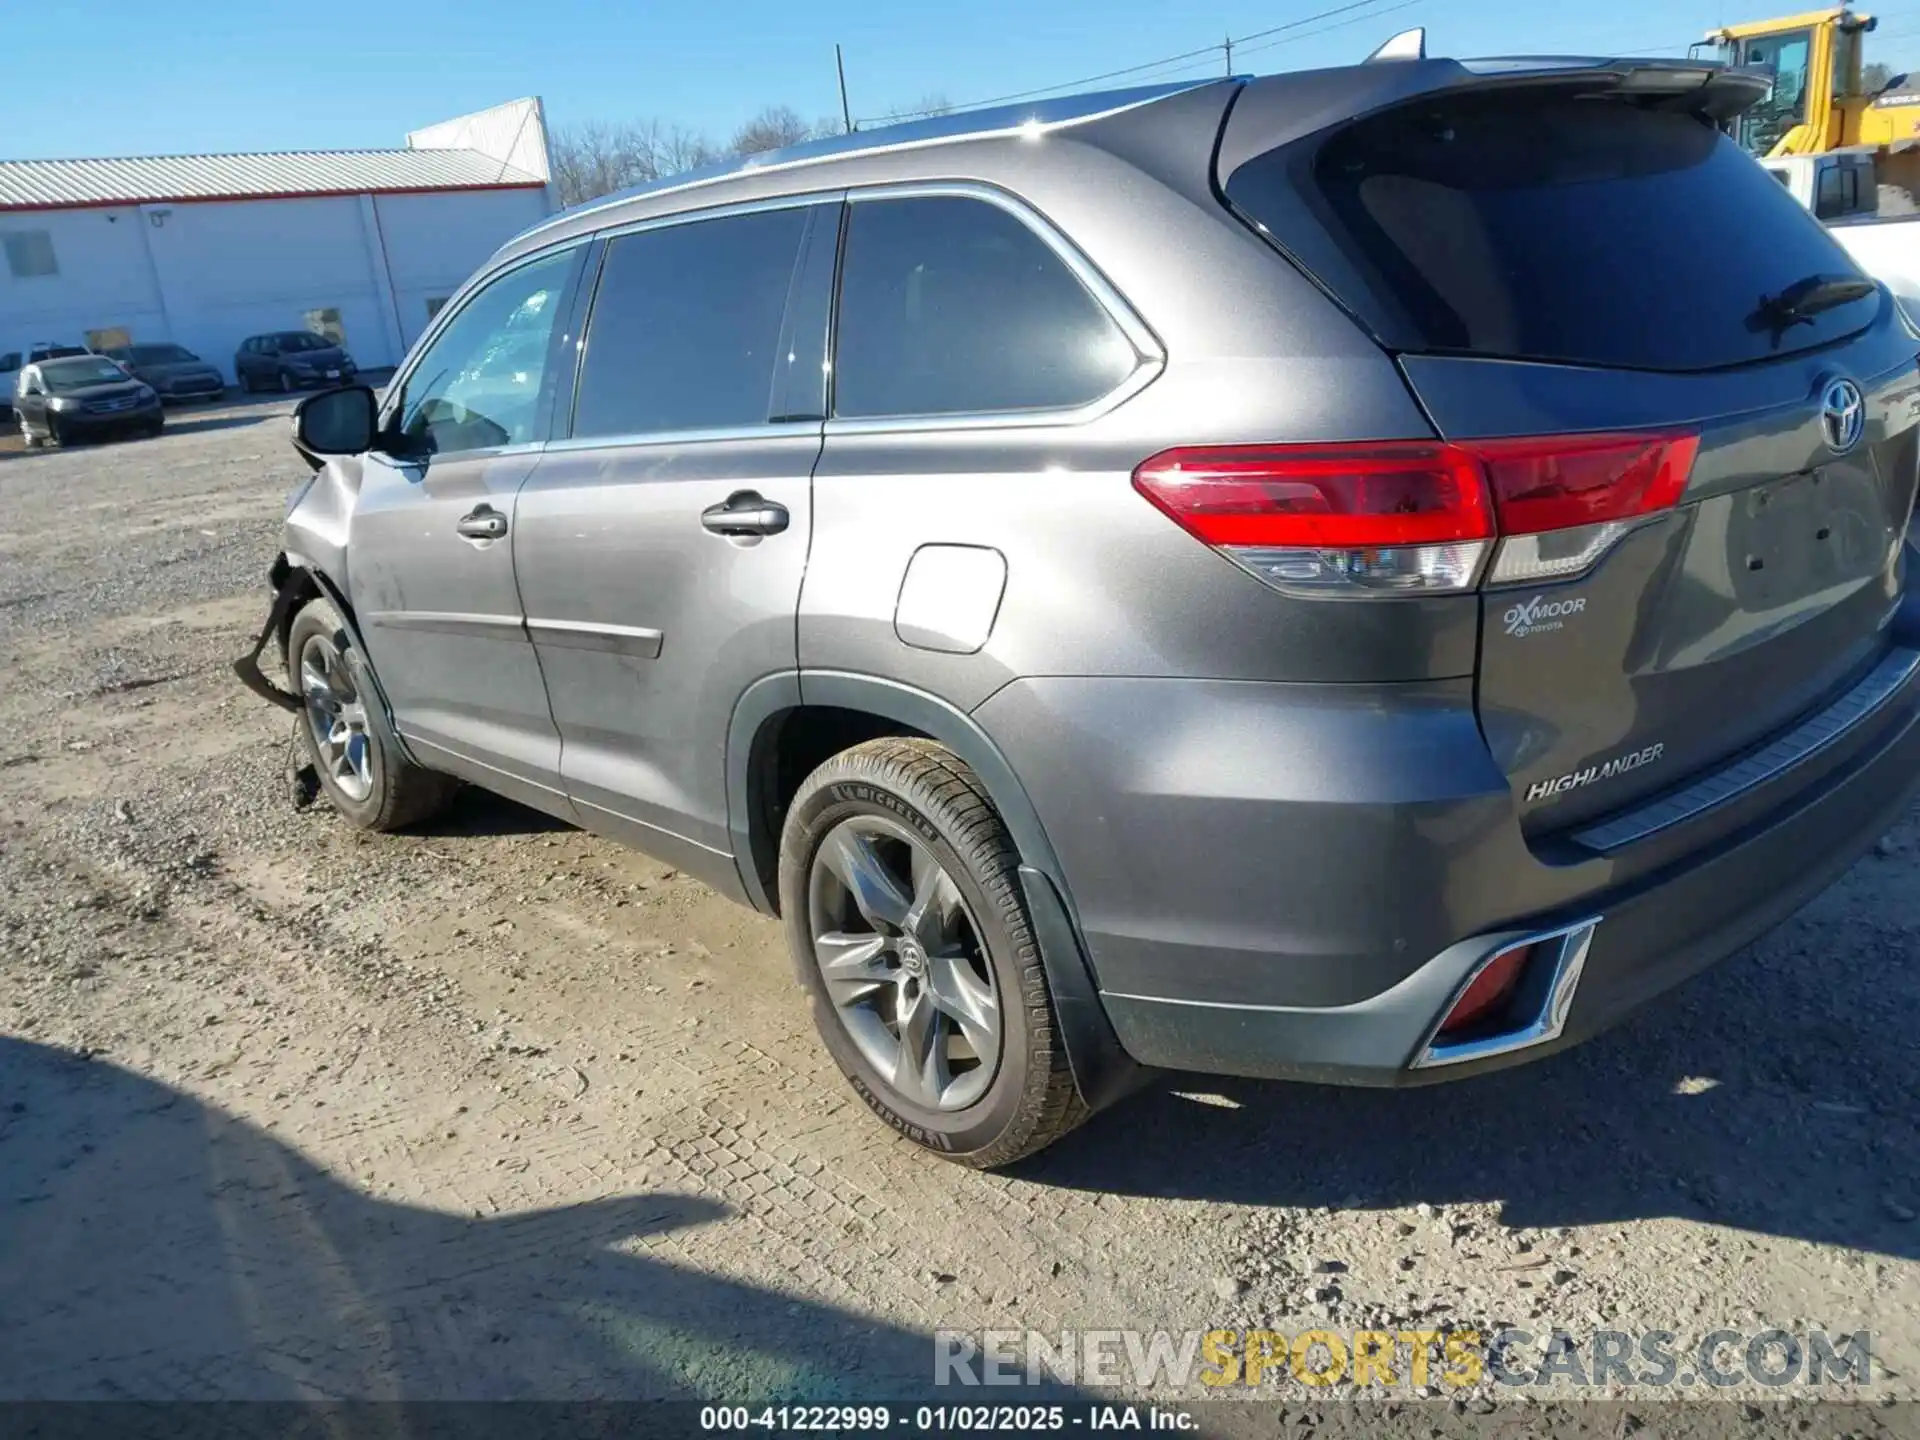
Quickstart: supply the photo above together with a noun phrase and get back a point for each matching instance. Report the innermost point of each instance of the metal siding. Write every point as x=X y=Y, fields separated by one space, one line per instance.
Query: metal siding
x=40 y=184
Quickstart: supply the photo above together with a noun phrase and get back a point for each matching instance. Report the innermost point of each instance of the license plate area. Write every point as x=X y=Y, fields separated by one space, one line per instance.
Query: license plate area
x=1802 y=534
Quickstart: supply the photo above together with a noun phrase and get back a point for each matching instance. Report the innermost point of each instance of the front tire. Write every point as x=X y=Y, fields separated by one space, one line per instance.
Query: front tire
x=363 y=771
x=901 y=896
x=27 y=437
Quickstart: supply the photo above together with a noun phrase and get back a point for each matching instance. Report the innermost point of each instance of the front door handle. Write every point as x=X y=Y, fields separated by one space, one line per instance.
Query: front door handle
x=745 y=512
x=483 y=522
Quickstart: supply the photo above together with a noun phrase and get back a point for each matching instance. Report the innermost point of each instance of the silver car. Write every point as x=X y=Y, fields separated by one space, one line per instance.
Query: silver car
x=1360 y=576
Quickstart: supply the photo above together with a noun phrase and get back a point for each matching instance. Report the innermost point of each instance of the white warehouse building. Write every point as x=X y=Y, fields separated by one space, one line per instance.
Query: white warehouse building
x=205 y=250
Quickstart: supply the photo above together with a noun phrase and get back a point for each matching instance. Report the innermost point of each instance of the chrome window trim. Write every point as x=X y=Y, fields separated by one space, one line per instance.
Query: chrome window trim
x=1772 y=760
x=1150 y=354
x=781 y=430
x=836 y=195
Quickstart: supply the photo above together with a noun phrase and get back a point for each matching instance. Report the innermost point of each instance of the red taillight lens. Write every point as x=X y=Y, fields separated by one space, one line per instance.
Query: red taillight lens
x=1489 y=990
x=1321 y=497
x=1561 y=481
x=1410 y=516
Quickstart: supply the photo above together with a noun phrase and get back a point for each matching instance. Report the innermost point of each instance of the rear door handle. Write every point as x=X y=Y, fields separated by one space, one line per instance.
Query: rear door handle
x=483 y=522
x=745 y=512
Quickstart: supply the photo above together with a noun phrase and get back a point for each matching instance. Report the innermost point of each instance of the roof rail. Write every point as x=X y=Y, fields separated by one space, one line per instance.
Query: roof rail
x=1407 y=45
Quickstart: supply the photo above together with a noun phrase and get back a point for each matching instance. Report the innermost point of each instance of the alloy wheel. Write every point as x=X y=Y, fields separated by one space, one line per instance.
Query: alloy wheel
x=904 y=964
x=337 y=717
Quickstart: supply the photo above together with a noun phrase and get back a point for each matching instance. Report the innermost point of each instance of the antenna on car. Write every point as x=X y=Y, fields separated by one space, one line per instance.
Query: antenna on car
x=1407 y=45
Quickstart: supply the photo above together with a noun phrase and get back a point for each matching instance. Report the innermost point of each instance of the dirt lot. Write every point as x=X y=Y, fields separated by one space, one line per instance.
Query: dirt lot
x=500 y=1109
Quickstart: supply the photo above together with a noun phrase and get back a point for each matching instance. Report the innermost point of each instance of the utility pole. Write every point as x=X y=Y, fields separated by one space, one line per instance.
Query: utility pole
x=840 y=64
x=1227 y=44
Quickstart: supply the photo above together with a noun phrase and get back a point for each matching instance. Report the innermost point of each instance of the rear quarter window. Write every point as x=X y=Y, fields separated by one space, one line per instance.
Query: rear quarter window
x=951 y=305
x=1580 y=230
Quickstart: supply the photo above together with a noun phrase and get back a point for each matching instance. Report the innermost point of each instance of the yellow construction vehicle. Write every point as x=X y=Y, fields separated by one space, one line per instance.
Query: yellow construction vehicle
x=1818 y=103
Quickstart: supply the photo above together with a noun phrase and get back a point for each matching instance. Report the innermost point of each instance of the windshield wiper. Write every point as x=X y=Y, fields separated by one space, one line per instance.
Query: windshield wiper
x=1804 y=299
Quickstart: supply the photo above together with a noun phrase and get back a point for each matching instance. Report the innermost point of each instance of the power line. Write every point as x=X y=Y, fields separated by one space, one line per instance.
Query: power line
x=1337 y=25
x=1189 y=57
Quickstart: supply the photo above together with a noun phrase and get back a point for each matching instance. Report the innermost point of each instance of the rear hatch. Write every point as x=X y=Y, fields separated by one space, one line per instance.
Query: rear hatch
x=1575 y=250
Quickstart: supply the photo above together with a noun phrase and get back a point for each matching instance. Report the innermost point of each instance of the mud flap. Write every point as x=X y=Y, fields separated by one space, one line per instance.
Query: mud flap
x=247 y=667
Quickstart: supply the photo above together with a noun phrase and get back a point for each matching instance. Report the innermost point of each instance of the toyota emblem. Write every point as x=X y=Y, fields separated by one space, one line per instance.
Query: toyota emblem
x=1843 y=415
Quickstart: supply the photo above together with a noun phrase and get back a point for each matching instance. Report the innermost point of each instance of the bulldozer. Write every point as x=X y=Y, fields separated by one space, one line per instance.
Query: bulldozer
x=1818 y=105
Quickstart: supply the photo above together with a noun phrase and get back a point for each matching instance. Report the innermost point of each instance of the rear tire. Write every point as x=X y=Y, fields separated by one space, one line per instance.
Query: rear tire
x=961 y=954
x=363 y=772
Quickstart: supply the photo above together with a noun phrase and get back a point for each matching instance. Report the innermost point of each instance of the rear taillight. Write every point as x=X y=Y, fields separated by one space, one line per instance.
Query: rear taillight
x=1418 y=516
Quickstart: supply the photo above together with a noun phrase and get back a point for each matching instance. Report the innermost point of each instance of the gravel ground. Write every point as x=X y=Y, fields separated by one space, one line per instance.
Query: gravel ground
x=498 y=1108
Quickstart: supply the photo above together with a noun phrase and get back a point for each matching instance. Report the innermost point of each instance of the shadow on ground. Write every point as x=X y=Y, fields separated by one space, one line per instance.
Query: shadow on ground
x=152 y=1247
x=474 y=812
x=1778 y=1093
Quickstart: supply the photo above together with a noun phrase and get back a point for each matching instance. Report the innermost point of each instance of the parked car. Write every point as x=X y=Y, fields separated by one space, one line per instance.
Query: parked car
x=174 y=371
x=291 y=360
x=10 y=363
x=1343 y=576
x=83 y=397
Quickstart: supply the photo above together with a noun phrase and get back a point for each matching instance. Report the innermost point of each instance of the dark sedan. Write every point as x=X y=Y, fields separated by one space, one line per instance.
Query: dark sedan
x=84 y=397
x=291 y=360
x=174 y=371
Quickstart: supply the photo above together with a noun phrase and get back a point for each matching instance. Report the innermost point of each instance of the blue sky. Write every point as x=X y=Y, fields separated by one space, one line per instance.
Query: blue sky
x=222 y=75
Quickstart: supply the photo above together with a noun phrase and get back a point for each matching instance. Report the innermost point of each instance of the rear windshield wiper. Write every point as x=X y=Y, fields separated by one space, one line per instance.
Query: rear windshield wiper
x=1804 y=299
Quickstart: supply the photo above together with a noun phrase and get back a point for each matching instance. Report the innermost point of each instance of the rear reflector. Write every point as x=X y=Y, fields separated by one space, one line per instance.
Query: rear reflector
x=1489 y=990
x=1416 y=515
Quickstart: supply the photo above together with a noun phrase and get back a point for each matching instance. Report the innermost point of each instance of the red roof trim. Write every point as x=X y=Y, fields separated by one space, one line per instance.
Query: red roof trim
x=6 y=209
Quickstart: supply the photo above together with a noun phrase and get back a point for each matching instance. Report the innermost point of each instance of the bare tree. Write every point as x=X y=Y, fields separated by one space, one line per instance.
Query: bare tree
x=773 y=128
x=1874 y=78
x=933 y=103
x=597 y=158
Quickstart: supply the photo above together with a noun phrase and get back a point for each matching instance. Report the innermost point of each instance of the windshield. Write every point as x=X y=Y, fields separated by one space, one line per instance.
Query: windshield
x=296 y=340
x=79 y=373
x=159 y=354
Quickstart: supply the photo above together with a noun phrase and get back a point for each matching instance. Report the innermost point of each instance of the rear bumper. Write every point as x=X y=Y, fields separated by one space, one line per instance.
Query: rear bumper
x=1320 y=937
x=1649 y=940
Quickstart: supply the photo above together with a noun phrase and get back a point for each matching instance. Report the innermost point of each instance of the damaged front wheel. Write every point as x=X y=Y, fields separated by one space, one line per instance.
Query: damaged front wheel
x=343 y=729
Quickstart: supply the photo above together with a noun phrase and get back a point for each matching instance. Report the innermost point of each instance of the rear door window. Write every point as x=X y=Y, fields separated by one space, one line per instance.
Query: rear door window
x=686 y=324
x=1581 y=230
x=951 y=305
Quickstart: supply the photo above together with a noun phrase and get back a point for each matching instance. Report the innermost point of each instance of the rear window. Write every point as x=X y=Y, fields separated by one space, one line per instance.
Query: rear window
x=1585 y=231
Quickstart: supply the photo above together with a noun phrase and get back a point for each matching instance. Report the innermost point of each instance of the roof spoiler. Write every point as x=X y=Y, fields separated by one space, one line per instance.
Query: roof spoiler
x=1407 y=45
x=1279 y=109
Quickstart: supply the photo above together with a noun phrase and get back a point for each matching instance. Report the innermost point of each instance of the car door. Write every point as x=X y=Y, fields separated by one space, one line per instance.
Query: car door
x=660 y=546
x=430 y=559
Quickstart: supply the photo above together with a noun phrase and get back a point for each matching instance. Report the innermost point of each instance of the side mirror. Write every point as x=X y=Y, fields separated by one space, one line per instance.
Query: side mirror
x=1893 y=83
x=336 y=422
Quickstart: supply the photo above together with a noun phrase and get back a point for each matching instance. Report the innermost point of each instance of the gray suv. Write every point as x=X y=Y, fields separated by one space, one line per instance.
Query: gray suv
x=1364 y=576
